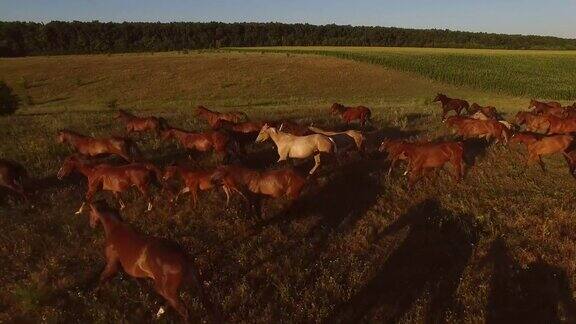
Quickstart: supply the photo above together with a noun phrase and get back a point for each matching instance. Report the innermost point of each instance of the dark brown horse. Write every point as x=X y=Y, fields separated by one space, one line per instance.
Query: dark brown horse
x=12 y=176
x=212 y=117
x=90 y=146
x=116 y=179
x=144 y=256
x=269 y=183
x=450 y=104
x=349 y=114
x=141 y=124
x=194 y=180
x=218 y=141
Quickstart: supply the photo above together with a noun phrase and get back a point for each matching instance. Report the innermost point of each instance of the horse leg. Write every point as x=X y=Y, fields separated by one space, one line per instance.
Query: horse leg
x=316 y=163
x=112 y=261
x=227 y=192
x=168 y=289
x=119 y=198
x=92 y=189
x=542 y=165
x=193 y=197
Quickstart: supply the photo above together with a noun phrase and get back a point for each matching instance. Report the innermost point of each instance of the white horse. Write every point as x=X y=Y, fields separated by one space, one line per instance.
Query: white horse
x=298 y=147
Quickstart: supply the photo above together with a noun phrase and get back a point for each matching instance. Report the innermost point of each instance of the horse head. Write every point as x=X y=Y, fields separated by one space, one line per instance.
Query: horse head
x=100 y=209
x=439 y=97
x=70 y=164
x=336 y=108
x=264 y=133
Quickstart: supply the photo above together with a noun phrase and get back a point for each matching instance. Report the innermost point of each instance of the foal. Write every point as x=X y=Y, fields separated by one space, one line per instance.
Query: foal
x=194 y=180
x=299 y=147
x=141 y=124
x=11 y=176
x=449 y=104
x=90 y=146
x=349 y=114
x=116 y=179
x=144 y=256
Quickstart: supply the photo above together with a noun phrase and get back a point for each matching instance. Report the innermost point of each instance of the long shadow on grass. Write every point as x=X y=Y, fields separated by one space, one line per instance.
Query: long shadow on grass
x=429 y=263
x=539 y=293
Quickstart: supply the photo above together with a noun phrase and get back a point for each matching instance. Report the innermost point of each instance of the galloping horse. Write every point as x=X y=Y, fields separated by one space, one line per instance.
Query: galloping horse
x=449 y=104
x=349 y=114
x=116 y=179
x=423 y=157
x=551 y=108
x=533 y=122
x=202 y=142
x=299 y=147
x=355 y=135
x=488 y=111
x=194 y=180
x=525 y=138
x=243 y=127
x=395 y=150
x=548 y=145
x=212 y=117
x=144 y=256
x=12 y=175
x=561 y=125
x=141 y=124
x=90 y=146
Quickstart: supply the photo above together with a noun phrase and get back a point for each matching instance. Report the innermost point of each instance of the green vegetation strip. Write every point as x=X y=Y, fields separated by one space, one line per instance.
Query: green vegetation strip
x=539 y=74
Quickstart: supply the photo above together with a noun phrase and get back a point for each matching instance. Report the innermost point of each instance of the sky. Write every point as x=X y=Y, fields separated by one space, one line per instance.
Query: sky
x=527 y=17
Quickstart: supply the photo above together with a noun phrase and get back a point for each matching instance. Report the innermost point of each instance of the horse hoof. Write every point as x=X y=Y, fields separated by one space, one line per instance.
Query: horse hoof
x=160 y=312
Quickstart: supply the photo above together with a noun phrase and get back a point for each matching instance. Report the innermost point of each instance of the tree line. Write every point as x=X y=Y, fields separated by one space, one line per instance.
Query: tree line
x=57 y=37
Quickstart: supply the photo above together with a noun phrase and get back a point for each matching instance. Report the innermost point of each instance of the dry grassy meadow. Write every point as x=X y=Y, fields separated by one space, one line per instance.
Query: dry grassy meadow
x=497 y=247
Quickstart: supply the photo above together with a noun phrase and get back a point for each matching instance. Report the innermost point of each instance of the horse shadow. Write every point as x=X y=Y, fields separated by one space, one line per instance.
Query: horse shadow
x=473 y=149
x=538 y=293
x=429 y=262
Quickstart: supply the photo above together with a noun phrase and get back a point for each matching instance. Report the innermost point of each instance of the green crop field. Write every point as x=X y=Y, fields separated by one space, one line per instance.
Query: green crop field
x=496 y=247
x=539 y=74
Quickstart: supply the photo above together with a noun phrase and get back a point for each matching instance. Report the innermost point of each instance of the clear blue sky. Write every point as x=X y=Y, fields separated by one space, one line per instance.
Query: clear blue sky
x=539 y=17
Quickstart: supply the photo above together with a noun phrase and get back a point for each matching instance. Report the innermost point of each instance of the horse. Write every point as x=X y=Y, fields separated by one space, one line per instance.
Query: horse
x=12 y=175
x=355 y=135
x=116 y=179
x=290 y=127
x=248 y=127
x=268 y=183
x=425 y=156
x=299 y=147
x=550 y=108
x=449 y=104
x=488 y=111
x=559 y=125
x=141 y=124
x=212 y=117
x=570 y=156
x=218 y=141
x=475 y=128
x=349 y=114
x=525 y=138
x=548 y=145
x=90 y=146
x=144 y=256
x=194 y=180
x=532 y=121
x=395 y=150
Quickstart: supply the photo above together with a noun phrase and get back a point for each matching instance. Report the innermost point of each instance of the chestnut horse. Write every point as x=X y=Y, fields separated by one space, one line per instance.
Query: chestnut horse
x=354 y=135
x=551 y=108
x=144 y=256
x=299 y=147
x=212 y=117
x=243 y=127
x=533 y=122
x=12 y=175
x=141 y=124
x=475 y=128
x=488 y=111
x=449 y=104
x=559 y=125
x=548 y=145
x=268 y=183
x=427 y=156
x=291 y=127
x=395 y=150
x=218 y=141
x=194 y=180
x=116 y=179
x=349 y=114
x=525 y=138
x=90 y=146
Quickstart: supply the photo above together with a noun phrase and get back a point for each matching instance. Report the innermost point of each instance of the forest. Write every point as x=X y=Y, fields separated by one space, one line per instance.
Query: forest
x=57 y=37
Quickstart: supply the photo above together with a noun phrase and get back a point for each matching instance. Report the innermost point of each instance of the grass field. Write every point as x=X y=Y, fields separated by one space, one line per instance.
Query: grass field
x=499 y=246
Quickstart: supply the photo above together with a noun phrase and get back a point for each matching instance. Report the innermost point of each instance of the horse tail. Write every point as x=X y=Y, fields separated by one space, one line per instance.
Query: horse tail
x=193 y=277
x=335 y=148
x=132 y=149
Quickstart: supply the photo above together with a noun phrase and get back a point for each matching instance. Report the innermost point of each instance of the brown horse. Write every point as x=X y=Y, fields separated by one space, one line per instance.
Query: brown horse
x=559 y=125
x=532 y=121
x=141 y=124
x=144 y=256
x=525 y=138
x=249 y=127
x=488 y=111
x=12 y=175
x=549 y=108
x=395 y=150
x=425 y=157
x=194 y=180
x=90 y=146
x=269 y=183
x=116 y=179
x=291 y=127
x=212 y=117
x=449 y=104
x=218 y=141
x=475 y=128
x=349 y=114
x=548 y=145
